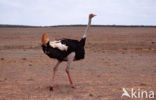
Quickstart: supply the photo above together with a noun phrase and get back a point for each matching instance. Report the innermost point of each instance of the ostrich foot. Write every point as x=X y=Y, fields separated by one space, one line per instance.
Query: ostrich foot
x=51 y=88
x=72 y=86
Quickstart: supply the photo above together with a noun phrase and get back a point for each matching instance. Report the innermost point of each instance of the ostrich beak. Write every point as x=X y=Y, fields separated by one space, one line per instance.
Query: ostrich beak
x=94 y=15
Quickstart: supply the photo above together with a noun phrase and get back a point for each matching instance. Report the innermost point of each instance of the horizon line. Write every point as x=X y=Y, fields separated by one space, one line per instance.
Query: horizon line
x=94 y=25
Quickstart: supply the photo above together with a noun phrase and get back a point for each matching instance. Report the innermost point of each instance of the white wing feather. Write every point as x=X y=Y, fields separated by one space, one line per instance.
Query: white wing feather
x=58 y=45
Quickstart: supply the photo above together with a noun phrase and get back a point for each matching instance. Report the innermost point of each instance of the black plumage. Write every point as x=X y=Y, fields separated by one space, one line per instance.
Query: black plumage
x=73 y=46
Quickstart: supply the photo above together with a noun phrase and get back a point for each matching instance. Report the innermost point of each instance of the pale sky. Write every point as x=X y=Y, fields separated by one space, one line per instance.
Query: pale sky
x=67 y=12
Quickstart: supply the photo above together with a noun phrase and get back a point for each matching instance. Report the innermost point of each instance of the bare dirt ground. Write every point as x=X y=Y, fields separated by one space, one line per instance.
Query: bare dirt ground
x=116 y=58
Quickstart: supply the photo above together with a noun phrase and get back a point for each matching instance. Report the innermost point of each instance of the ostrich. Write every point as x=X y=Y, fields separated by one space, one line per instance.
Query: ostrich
x=65 y=50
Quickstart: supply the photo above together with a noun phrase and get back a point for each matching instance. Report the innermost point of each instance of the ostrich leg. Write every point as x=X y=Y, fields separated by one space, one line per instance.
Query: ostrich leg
x=70 y=59
x=54 y=70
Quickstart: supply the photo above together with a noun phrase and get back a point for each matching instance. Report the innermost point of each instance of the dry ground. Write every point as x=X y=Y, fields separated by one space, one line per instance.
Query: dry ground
x=116 y=58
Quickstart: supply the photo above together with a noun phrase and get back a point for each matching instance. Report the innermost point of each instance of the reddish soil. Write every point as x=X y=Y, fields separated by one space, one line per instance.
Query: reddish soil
x=116 y=58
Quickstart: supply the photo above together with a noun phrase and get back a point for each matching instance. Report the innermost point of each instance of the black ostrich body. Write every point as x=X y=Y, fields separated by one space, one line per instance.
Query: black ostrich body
x=73 y=46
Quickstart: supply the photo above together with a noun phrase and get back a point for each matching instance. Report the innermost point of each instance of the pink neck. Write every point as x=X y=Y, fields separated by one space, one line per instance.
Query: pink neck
x=86 y=32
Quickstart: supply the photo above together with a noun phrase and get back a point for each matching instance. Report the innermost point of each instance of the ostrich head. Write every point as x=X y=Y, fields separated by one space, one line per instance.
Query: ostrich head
x=91 y=16
x=44 y=39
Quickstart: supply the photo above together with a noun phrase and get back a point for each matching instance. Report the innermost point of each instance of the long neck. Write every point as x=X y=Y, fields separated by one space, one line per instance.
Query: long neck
x=86 y=32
